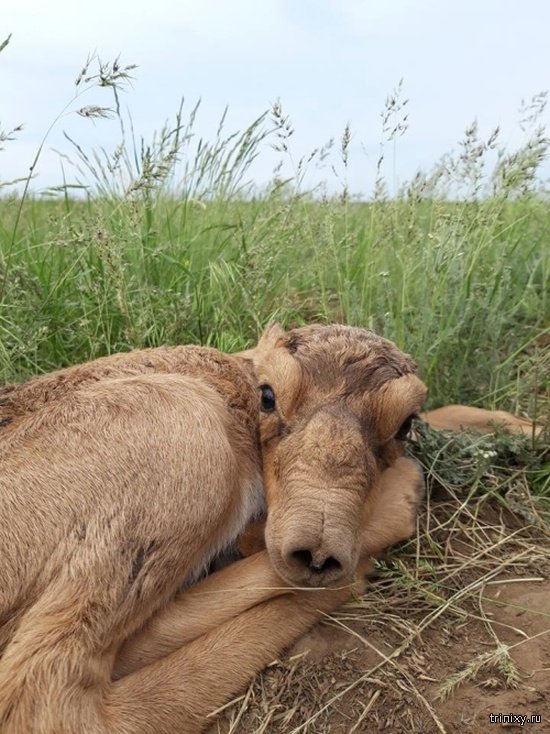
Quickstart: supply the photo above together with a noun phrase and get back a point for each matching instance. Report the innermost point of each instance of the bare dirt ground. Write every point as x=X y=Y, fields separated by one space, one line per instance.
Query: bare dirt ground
x=456 y=628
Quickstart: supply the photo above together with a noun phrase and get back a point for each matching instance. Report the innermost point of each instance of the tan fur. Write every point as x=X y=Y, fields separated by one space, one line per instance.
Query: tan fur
x=390 y=517
x=326 y=444
x=119 y=481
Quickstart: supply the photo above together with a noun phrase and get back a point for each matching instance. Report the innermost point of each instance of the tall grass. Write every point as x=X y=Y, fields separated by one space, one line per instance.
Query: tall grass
x=170 y=242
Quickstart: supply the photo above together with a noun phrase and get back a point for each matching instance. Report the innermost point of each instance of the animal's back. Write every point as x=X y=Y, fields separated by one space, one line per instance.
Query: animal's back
x=129 y=471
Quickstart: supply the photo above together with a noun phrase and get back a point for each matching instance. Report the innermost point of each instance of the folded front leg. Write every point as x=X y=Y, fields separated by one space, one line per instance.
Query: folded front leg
x=196 y=611
x=391 y=509
x=178 y=692
x=391 y=517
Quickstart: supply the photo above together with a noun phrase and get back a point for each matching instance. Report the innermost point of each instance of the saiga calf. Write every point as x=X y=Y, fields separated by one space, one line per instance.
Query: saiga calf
x=122 y=478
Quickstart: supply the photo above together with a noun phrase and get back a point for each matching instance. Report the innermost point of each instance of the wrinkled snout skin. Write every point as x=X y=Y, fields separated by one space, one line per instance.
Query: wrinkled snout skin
x=317 y=480
x=342 y=395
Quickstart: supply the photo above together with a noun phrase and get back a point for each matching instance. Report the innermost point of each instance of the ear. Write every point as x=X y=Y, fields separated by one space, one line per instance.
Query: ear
x=271 y=336
x=395 y=401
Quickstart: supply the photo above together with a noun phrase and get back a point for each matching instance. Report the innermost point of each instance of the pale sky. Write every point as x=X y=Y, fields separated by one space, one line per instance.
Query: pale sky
x=328 y=61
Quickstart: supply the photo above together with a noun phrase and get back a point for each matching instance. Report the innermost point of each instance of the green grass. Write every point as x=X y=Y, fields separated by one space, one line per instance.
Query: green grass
x=171 y=244
x=462 y=287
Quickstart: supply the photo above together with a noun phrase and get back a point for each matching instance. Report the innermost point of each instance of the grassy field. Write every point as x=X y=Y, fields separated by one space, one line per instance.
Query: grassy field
x=464 y=287
x=169 y=242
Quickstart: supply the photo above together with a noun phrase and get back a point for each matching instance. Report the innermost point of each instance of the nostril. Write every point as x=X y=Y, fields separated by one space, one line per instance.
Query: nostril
x=305 y=558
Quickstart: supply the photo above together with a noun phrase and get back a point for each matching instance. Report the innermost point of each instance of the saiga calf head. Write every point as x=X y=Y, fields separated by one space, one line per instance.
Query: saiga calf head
x=336 y=404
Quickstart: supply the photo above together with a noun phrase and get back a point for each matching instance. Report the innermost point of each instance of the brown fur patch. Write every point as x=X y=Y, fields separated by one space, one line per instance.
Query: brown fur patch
x=358 y=358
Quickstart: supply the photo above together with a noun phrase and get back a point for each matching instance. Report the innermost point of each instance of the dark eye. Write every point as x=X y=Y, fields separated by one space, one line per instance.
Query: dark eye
x=404 y=431
x=268 y=399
